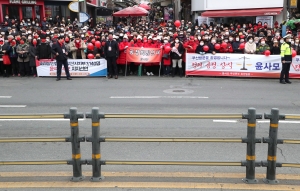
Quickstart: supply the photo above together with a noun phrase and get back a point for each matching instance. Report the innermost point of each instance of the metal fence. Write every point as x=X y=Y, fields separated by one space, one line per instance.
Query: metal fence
x=96 y=139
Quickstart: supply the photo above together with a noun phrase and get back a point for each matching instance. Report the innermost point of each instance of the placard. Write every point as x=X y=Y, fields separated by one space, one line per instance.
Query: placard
x=77 y=67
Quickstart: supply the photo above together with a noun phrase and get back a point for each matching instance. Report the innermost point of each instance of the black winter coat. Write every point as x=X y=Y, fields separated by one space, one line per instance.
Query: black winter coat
x=43 y=51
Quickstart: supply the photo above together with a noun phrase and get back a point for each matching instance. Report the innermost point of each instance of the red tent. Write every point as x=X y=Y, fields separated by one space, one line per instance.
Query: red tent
x=145 y=6
x=131 y=12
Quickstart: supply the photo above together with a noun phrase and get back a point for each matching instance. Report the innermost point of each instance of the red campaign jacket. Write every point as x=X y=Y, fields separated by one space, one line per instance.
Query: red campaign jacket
x=122 y=57
x=149 y=45
x=139 y=44
x=228 y=49
x=166 y=62
x=188 y=49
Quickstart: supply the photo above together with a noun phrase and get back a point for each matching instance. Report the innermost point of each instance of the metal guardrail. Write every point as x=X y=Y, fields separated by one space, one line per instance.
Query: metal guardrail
x=75 y=140
x=250 y=162
x=251 y=140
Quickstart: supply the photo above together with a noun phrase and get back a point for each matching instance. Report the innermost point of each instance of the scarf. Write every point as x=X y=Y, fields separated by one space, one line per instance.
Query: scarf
x=77 y=44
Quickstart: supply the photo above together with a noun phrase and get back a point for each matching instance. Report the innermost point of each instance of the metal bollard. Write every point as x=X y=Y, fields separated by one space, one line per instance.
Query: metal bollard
x=95 y=139
x=251 y=141
x=75 y=140
x=272 y=146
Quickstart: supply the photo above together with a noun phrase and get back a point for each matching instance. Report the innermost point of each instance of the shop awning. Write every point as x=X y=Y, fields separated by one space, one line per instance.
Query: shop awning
x=242 y=12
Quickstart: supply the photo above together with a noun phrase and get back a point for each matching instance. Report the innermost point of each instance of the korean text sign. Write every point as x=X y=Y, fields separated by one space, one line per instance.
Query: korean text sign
x=239 y=65
x=143 y=55
x=77 y=67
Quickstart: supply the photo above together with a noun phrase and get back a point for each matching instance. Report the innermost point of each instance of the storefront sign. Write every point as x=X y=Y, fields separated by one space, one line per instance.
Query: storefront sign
x=143 y=55
x=83 y=17
x=74 y=6
x=82 y=67
x=293 y=3
x=27 y=2
x=205 y=20
x=267 y=19
x=260 y=66
x=48 y=10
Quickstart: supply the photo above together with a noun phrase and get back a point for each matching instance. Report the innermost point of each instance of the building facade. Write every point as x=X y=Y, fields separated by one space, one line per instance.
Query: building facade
x=247 y=10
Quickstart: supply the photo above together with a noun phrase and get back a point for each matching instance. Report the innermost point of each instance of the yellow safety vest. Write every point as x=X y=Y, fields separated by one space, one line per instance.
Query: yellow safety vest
x=285 y=49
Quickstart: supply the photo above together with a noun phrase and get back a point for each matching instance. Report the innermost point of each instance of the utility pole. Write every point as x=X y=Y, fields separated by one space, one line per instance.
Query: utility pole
x=285 y=9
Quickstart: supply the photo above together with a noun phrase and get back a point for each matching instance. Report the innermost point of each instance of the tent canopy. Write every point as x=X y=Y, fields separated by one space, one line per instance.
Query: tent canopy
x=145 y=6
x=131 y=12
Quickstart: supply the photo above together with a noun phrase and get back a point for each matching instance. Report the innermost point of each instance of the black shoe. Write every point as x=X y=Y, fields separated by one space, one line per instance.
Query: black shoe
x=116 y=77
x=288 y=82
x=282 y=82
x=69 y=78
x=57 y=79
x=109 y=76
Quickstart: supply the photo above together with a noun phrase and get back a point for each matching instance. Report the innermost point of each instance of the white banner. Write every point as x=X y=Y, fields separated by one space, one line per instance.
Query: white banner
x=80 y=67
x=267 y=19
x=205 y=20
x=238 y=65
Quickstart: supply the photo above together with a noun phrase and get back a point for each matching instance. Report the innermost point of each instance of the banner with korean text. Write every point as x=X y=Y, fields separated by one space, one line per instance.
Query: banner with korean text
x=143 y=55
x=77 y=67
x=239 y=65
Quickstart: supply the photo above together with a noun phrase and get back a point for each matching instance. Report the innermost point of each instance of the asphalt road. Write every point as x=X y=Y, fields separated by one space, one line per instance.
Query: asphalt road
x=146 y=95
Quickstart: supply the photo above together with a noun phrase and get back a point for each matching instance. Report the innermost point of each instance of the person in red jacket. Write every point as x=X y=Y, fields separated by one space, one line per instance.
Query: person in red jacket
x=157 y=43
x=190 y=47
x=228 y=49
x=166 y=60
x=121 y=61
x=140 y=44
x=149 y=66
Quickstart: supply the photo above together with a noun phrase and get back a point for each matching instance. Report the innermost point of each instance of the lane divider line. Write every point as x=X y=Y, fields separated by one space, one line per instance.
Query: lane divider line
x=5 y=97
x=158 y=97
x=161 y=185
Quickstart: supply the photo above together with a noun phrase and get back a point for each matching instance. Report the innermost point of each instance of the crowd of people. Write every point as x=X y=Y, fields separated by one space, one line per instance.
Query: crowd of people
x=22 y=42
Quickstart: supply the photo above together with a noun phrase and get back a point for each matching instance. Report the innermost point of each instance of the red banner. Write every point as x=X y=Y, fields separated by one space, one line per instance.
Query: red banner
x=143 y=55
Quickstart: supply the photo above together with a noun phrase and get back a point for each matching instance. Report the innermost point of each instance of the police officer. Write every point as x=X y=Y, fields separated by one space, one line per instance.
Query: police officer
x=286 y=59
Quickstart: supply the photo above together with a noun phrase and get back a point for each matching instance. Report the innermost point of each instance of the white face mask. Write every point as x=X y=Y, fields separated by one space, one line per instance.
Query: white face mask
x=29 y=38
x=226 y=33
x=263 y=42
x=231 y=39
x=242 y=40
x=213 y=41
x=201 y=43
x=292 y=42
x=226 y=40
x=176 y=41
x=47 y=32
x=237 y=39
x=250 y=41
x=165 y=41
x=77 y=41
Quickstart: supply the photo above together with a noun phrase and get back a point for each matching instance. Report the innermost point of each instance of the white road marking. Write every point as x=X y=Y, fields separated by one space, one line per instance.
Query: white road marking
x=5 y=97
x=13 y=106
x=265 y=121
x=39 y=119
x=157 y=97
x=225 y=121
x=268 y=121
